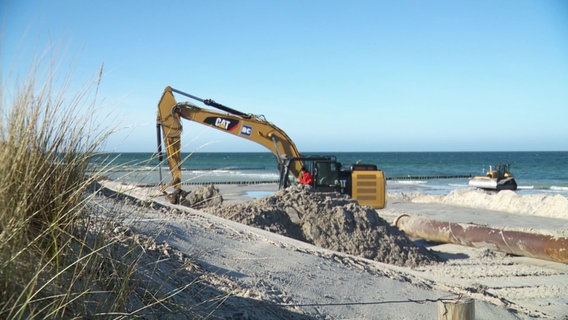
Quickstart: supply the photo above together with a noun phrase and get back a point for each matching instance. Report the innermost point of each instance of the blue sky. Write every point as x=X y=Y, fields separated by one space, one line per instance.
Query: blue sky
x=335 y=75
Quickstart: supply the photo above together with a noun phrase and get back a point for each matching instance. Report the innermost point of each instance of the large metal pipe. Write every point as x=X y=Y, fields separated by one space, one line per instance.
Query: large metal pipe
x=513 y=242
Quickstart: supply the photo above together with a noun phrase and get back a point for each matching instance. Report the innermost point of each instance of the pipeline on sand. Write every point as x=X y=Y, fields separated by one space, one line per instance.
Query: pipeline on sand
x=513 y=242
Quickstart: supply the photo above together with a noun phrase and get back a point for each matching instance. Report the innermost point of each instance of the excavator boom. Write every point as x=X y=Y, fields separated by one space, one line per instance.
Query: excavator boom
x=247 y=126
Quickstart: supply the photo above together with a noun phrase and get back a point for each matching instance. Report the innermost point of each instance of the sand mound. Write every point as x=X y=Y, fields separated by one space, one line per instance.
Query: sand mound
x=330 y=221
x=555 y=206
x=202 y=197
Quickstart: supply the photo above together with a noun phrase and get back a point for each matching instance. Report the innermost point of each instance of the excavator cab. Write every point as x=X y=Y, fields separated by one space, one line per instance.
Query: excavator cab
x=324 y=169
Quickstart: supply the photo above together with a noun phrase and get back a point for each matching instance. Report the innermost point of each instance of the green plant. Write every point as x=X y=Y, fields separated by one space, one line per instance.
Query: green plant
x=46 y=140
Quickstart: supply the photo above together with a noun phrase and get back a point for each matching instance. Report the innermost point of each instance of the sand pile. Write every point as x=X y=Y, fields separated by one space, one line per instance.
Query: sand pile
x=544 y=205
x=202 y=197
x=330 y=221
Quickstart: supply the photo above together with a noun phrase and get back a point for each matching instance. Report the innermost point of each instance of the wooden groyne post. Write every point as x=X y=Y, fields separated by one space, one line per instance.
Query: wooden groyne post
x=459 y=309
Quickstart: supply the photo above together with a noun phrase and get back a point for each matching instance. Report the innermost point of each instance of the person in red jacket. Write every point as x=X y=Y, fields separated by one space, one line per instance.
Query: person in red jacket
x=306 y=177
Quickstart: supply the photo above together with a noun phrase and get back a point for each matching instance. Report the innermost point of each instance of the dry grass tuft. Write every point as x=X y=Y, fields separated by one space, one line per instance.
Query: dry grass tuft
x=52 y=264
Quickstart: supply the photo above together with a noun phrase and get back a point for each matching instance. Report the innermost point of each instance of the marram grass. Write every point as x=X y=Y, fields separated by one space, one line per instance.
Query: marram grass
x=45 y=147
x=52 y=264
x=58 y=258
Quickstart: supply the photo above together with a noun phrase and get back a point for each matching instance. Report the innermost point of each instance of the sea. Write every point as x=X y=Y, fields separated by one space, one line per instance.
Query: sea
x=536 y=172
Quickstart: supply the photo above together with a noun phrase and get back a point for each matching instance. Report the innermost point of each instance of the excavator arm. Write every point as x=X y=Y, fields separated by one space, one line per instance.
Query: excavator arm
x=247 y=126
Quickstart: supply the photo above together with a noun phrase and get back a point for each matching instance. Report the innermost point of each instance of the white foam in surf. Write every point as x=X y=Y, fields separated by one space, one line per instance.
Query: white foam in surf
x=411 y=182
x=525 y=187
x=231 y=175
x=458 y=185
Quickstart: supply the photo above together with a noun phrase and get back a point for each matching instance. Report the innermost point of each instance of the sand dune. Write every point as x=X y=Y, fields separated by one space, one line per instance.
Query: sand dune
x=318 y=283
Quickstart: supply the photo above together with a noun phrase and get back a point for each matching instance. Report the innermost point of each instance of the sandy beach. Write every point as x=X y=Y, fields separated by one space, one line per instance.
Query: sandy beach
x=265 y=275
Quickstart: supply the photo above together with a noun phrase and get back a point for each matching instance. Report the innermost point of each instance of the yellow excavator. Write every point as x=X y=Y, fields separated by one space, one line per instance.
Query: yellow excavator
x=363 y=182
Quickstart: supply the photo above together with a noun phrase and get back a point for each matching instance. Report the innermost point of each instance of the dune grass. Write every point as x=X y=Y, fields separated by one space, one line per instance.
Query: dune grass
x=53 y=264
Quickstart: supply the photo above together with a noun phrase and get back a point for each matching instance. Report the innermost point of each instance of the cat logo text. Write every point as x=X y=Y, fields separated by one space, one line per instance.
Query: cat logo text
x=222 y=123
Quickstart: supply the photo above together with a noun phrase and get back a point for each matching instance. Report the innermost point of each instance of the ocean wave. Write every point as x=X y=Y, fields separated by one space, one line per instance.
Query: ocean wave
x=559 y=188
x=153 y=175
x=411 y=182
x=122 y=168
x=232 y=174
x=458 y=185
x=224 y=169
x=525 y=187
x=138 y=168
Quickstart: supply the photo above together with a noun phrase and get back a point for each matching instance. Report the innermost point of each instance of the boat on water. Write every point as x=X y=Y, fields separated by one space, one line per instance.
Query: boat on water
x=497 y=178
